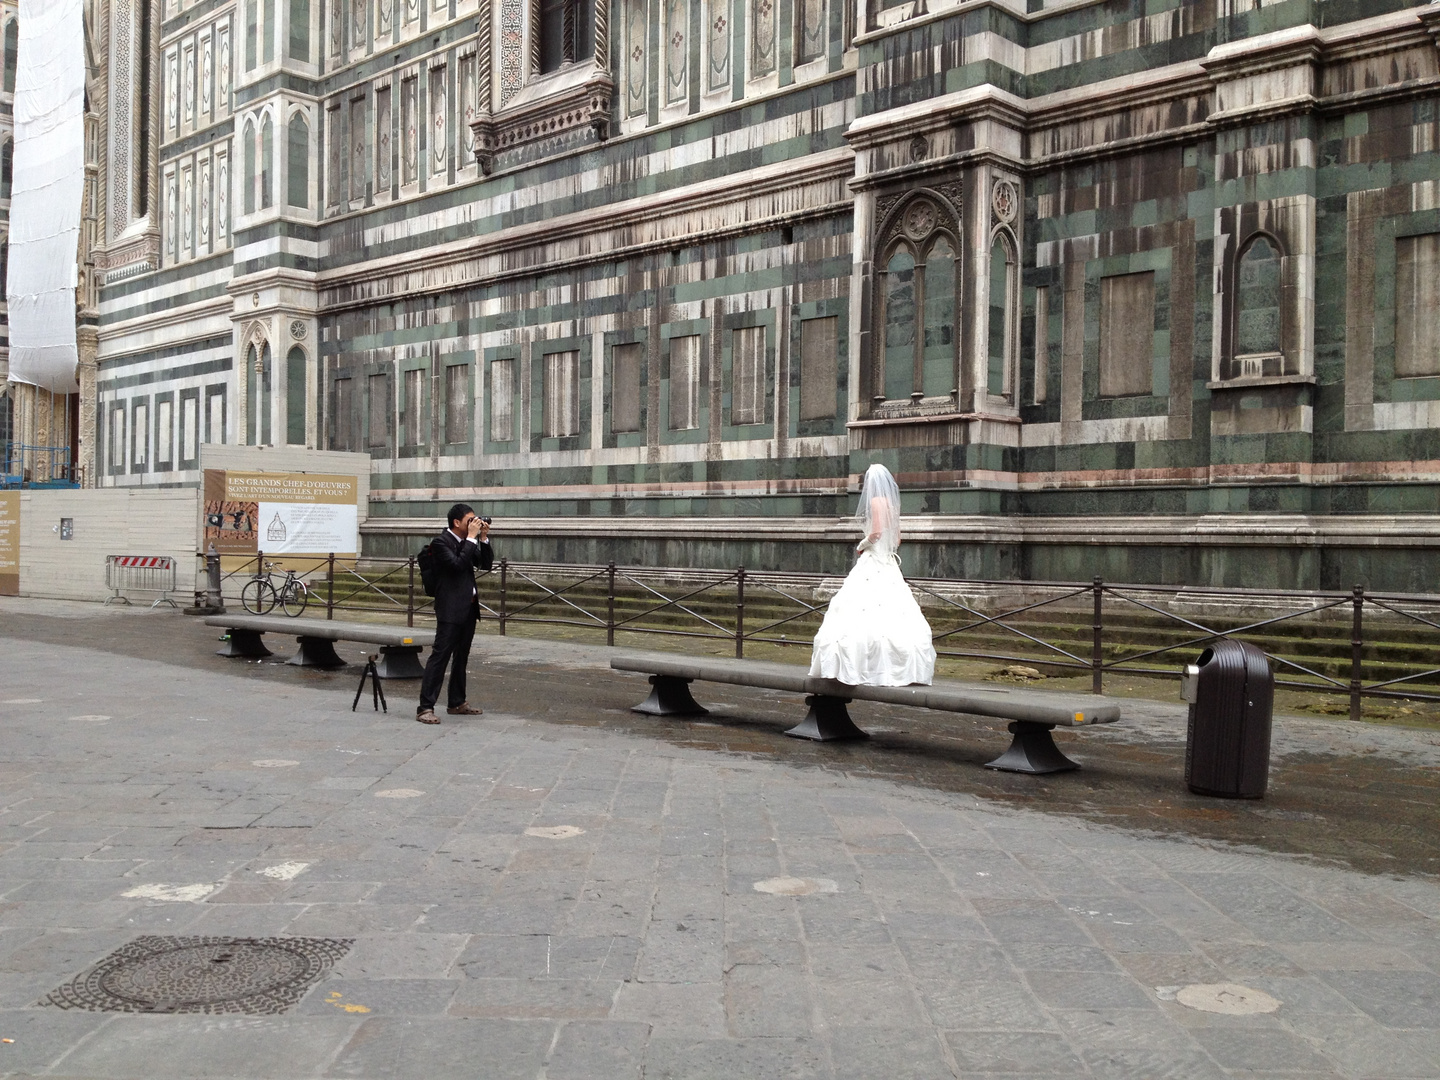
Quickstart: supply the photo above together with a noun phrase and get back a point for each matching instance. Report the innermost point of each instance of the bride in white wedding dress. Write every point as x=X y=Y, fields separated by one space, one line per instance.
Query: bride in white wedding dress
x=873 y=633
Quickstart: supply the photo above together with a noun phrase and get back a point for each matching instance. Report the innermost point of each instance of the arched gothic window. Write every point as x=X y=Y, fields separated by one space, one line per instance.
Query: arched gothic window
x=1258 y=298
x=917 y=304
x=258 y=380
x=1004 y=337
x=247 y=175
x=298 y=187
x=938 y=377
x=12 y=53
x=295 y=396
x=260 y=32
x=899 y=324
x=267 y=163
x=7 y=168
x=300 y=30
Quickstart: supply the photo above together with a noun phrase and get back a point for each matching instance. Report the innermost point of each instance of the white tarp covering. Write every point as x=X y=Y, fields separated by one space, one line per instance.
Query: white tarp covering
x=47 y=192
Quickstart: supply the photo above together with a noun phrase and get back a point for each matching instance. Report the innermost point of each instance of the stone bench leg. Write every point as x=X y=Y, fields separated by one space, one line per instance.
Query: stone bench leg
x=400 y=662
x=316 y=652
x=1033 y=751
x=246 y=644
x=670 y=696
x=827 y=721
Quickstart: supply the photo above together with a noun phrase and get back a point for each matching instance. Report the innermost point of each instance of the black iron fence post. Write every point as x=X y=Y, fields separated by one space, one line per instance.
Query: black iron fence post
x=410 y=594
x=330 y=586
x=504 y=566
x=740 y=613
x=610 y=607
x=1097 y=628
x=1357 y=645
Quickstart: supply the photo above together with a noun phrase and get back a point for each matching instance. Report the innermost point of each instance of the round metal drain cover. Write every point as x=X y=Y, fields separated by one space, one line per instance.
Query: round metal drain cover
x=202 y=975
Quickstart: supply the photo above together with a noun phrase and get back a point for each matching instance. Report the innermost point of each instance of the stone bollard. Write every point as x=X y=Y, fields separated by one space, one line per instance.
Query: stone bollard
x=209 y=601
x=213 y=600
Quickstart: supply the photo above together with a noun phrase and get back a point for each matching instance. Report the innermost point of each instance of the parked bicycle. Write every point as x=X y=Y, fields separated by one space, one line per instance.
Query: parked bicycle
x=260 y=595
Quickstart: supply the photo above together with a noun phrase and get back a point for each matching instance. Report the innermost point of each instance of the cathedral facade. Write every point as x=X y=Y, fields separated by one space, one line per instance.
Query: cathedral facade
x=1138 y=288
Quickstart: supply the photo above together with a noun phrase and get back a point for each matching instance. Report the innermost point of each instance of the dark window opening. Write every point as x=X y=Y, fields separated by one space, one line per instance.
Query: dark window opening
x=567 y=32
x=12 y=53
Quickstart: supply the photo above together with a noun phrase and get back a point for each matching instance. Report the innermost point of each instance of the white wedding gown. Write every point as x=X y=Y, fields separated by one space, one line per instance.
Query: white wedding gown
x=873 y=633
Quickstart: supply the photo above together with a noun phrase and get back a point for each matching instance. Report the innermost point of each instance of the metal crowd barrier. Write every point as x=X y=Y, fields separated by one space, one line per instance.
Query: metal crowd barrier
x=140 y=573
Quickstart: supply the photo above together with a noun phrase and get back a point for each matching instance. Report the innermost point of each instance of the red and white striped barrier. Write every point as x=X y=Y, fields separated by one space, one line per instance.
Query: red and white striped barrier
x=160 y=562
x=140 y=573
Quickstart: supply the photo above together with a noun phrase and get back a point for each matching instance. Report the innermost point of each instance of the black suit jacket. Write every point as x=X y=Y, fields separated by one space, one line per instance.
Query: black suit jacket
x=455 y=564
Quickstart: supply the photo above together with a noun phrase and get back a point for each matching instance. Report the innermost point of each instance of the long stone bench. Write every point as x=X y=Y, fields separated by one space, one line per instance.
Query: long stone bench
x=399 y=652
x=1033 y=713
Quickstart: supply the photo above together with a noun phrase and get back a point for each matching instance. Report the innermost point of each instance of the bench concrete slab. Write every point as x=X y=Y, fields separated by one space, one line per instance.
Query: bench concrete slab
x=1033 y=713
x=399 y=653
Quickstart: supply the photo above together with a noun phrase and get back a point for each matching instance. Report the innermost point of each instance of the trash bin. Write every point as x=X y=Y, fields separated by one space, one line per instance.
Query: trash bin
x=1231 y=691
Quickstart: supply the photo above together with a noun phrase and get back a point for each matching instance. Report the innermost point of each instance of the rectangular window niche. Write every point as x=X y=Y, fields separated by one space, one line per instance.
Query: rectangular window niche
x=747 y=376
x=819 y=363
x=561 y=405
x=502 y=400
x=1417 y=306
x=625 y=363
x=1127 y=334
x=685 y=382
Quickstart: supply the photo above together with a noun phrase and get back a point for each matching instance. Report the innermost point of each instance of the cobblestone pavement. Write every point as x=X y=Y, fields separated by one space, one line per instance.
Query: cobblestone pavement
x=555 y=890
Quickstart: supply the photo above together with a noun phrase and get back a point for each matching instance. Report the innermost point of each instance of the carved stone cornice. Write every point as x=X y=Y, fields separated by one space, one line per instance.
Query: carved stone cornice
x=551 y=113
x=127 y=256
x=965 y=106
x=1430 y=19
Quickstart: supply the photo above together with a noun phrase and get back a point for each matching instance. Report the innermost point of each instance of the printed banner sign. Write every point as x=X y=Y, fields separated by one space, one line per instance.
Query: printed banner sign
x=281 y=513
x=9 y=543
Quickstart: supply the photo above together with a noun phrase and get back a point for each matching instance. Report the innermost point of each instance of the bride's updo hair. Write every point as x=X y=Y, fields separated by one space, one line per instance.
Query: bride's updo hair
x=879 y=509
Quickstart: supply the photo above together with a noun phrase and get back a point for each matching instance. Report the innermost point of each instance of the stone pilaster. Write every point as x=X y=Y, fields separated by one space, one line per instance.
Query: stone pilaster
x=87 y=340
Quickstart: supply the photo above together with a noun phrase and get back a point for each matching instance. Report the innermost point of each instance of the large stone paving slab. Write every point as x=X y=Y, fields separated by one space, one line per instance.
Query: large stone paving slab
x=538 y=899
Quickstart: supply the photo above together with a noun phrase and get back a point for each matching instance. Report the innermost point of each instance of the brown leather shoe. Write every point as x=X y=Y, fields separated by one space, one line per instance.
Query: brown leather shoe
x=465 y=710
x=427 y=717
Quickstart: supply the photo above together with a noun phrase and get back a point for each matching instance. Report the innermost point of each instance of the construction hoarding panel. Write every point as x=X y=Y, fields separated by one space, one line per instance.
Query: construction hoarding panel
x=9 y=543
x=281 y=513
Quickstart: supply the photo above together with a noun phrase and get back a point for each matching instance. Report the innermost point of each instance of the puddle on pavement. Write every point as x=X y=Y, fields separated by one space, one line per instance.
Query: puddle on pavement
x=1363 y=811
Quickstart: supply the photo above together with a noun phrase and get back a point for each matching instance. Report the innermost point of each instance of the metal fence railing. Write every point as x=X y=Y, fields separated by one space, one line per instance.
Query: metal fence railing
x=1358 y=644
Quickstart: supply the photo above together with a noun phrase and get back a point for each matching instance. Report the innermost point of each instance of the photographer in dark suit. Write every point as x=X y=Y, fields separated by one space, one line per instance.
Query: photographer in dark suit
x=457 y=552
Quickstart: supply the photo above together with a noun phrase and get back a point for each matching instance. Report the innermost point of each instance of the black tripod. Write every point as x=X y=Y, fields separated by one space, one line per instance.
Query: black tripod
x=377 y=694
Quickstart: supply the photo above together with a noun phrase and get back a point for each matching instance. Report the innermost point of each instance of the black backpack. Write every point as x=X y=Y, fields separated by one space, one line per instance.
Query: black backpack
x=425 y=560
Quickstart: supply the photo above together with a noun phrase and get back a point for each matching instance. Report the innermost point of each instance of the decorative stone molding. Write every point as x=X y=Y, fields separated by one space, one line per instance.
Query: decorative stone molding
x=724 y=206
x=137 y=251
x=1004 y=201
x=536 y=109
x=1430 y=18
x=549 y=109
x=1264 y=76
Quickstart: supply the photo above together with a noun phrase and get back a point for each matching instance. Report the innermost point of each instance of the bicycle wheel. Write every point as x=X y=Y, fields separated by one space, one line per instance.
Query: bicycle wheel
x=293 y=598
x=258 y=597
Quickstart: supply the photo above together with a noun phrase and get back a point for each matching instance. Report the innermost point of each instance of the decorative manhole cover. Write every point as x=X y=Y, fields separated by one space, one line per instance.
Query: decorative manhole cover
x=202 y=975
x=1227 y=999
